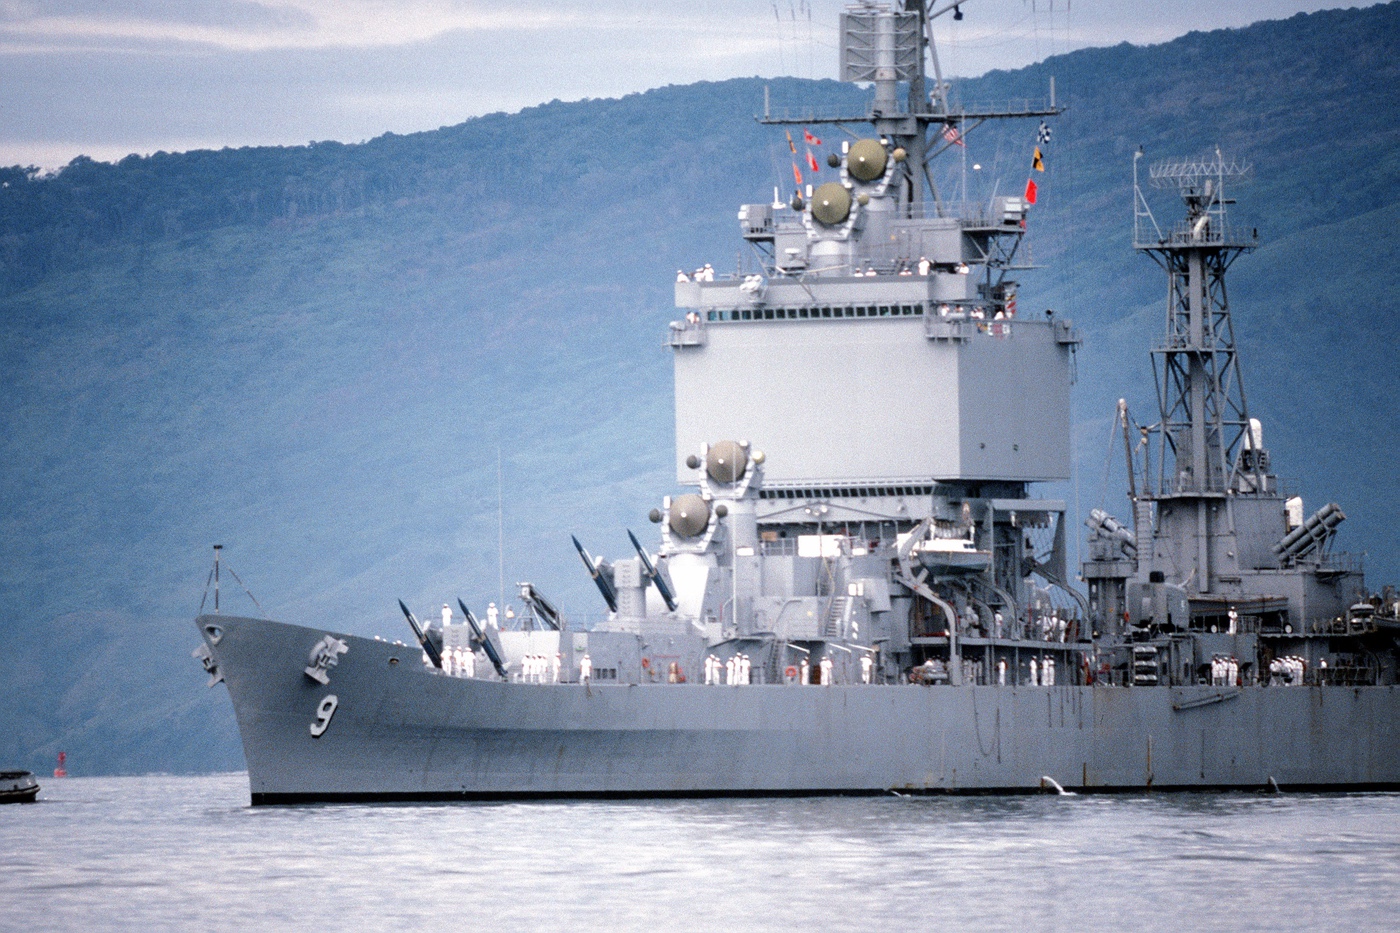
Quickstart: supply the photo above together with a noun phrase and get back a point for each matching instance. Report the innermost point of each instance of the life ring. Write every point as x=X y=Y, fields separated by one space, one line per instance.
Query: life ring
x=791 y=671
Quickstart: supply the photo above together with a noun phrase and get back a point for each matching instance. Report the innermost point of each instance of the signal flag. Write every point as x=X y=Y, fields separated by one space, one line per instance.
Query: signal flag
x=1030 y=191
x=809 y=139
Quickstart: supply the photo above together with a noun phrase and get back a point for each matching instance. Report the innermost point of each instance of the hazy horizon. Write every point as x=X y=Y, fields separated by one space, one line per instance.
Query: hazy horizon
x=107 y=78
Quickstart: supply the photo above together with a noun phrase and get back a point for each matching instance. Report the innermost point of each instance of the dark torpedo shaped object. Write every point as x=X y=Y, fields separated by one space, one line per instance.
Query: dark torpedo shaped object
x=650 y=568
x=428 y=647
x=604 y=585
x=481 y=638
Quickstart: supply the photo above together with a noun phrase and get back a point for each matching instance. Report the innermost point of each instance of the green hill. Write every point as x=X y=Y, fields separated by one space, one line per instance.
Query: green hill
x=313 y=355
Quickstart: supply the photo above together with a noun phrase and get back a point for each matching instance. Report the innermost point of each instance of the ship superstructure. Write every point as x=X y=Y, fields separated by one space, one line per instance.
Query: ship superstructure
x=861 y=585
x=898 y=406
x=1218 y=567
x=863 y=420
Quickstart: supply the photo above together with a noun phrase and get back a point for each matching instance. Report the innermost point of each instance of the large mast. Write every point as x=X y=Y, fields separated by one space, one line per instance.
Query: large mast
x=887 y=47
x=1204 y=431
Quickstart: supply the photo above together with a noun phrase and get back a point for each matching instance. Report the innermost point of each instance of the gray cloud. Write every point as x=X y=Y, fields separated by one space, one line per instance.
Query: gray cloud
x=236 y=14
x=179 y=75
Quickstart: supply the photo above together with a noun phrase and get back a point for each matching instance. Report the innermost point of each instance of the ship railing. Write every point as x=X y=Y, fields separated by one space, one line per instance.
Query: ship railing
x=980 y=214
x=1184 y=233
x=1340 y=562
x=778 y=547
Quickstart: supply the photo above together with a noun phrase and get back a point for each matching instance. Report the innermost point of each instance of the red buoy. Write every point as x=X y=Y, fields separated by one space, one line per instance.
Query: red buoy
x=60 y=771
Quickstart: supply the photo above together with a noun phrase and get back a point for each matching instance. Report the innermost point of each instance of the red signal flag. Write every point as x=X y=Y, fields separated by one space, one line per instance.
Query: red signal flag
x=812 y=162
x=1030 y=191
x=809 y=138
x=797 y=174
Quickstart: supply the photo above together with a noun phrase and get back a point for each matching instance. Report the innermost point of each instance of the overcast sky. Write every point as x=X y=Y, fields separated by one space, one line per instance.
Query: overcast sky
x=109 y=77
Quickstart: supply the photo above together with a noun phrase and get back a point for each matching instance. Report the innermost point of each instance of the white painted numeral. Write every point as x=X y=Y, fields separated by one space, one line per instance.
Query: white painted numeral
x=324 y=712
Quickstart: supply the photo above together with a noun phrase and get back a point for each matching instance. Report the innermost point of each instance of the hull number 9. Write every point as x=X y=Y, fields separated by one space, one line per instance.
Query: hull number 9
x=324 y=712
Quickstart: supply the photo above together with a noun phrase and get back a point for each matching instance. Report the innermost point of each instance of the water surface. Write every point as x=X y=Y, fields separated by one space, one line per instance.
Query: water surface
x=188 y=853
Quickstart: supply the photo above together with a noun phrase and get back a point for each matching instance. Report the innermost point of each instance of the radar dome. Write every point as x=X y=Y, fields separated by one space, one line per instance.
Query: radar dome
x=831 y=204
x=727 y=460
x=690 y=515
x=866 y=159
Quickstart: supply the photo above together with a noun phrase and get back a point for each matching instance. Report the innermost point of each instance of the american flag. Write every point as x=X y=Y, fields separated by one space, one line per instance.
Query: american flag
x=951 y=134
x=1042 y=135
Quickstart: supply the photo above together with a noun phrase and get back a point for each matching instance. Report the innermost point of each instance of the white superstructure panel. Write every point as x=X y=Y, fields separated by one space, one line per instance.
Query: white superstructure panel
x=876 y=401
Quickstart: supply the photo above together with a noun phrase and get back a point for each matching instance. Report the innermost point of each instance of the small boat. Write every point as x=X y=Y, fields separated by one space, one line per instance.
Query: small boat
x=952 y=555
x=18 y=787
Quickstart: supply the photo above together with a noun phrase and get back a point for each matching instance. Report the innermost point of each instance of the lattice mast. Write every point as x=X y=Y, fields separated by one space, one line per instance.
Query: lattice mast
x=1206 y=451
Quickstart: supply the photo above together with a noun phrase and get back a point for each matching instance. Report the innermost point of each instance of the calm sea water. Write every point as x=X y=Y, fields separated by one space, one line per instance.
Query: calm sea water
x=188 y=853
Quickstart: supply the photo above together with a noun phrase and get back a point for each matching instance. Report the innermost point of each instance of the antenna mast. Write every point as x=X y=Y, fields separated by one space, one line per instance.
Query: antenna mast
x=1206 y=454
x=885 y=47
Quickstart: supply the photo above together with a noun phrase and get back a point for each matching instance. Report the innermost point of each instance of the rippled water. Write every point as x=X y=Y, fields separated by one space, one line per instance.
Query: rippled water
x=159 y=853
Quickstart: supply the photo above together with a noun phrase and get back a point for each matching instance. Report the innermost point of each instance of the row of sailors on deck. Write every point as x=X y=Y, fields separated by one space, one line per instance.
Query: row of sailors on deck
x=1224 y=672
x=976 y=313
x=736 y=670
x=826 y=671
x=705 y=273
x=1042 y=675
x=540 y=669
x=534 y=668
x=1053 y=627
x=459 y=662
x=904 y=267
x=1287 y=671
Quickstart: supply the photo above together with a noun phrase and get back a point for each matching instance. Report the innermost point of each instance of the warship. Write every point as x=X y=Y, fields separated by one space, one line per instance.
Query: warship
x=861 y=587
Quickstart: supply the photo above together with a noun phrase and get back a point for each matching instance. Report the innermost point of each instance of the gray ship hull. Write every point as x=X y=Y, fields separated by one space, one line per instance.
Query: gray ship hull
x=399 y=731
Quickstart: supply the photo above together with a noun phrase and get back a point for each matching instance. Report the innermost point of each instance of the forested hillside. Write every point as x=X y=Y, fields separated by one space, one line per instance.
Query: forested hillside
x=312 y=355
